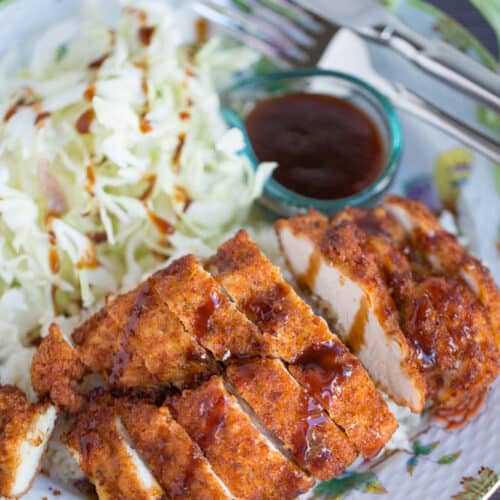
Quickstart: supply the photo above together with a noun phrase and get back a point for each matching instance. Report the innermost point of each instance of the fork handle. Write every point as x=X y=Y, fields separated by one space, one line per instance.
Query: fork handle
x=442 y=61
x=420 y=107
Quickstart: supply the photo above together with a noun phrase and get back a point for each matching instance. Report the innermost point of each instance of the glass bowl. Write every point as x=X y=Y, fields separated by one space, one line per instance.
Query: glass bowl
x=240 y=98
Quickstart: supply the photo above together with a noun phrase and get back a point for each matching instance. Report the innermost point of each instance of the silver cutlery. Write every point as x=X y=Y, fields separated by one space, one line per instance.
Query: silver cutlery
x=348 y=53
x=294 y=36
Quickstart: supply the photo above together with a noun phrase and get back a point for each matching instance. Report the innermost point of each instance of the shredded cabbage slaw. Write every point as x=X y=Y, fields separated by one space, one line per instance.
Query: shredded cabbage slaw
x=114 y=158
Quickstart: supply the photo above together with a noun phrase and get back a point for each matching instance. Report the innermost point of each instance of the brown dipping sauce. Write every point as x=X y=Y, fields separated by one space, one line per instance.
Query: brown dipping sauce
x=325 y=147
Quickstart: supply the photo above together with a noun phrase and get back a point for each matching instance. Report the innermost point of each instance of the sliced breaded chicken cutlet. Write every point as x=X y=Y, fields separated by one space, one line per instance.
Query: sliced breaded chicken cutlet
x=248 y=463
x=101 y=446
x=330 y=260
x=206 y=311
x=135 y=340
x=167 y=331
x=292 y=416
x=446 y=332
x=317 y=359
x=55 y=369
x=25 y=429
x=175 y=460
x=442 y=251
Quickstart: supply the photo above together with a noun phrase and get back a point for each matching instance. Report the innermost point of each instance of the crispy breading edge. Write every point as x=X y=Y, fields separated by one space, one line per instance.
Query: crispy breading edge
x=453 y=259
x=18 y=403
x=349 y=257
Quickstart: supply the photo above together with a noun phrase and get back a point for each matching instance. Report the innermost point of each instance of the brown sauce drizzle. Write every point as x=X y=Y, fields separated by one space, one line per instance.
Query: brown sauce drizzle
x=90 y=91
x=54 y=262
x=53 y=298
x=201 y=29
x=178 y=151
x=85 y=121
x=122 y=357
x=151 y=181
x=97 y=63
x=325 y=368
x=13 y=110
x=309 y=277
x=356 y=337
x=268 y=309
x=145 y=34
x=163 y=226
x=89 y=170
x=303 y=440
x=28 y=99
x=182 y=196
x=204 y=314
x=145 y=125
x=97 y=236
x=41 y=118
x=213 y=414
x=89 y=260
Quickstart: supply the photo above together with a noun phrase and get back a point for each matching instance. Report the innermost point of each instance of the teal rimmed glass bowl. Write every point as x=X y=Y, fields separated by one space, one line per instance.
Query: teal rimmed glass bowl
x=239 y=99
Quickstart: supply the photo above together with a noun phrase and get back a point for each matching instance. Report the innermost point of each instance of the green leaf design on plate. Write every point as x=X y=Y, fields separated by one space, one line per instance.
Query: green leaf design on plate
x=457 y=33
x=449 y=459
x=496 y=176
x=411 y=463
x=424 y=449
x=488 y=118
x=241 y=5
x=477 y=488
x=336 y=489
x=454 y=34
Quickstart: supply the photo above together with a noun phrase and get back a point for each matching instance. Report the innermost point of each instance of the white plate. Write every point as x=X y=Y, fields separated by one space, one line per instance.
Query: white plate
x=430 y=472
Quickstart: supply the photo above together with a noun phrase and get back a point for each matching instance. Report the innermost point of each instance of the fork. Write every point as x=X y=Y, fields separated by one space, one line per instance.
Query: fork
x=303 y=40
x=293 y=35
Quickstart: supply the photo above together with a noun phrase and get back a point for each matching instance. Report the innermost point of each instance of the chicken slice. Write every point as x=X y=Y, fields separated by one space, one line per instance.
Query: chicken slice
x=25 y=429
x=332 y=262
x=318 y=359
x=54 y=370
x=444 y=254
x=240 y=455
x=458 y=352
x=206 y=311
x=175 y=460
x=101 y=446
x=292 y=416
x=440 y=315
x=135 y=340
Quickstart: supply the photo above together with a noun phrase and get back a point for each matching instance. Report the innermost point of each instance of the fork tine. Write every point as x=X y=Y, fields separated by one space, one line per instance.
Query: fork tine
x=285 y=23
x=256 y=27
x=238 y=31
x=298 y=14
x=261 y=27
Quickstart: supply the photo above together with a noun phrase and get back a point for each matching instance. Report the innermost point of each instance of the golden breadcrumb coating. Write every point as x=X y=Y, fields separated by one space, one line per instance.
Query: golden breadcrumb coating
x=100 y=447
x=292 y=332
x=18 y=418
x=293 y=416
x=237 y=451
x=135 y=340
x=175 y=460
x=54 y=370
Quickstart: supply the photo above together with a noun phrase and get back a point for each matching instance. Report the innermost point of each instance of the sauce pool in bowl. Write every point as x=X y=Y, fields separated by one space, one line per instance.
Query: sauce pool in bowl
x=325 y=147
x=335 y=139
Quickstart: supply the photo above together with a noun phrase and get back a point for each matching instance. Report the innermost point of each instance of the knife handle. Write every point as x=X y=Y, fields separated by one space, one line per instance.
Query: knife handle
x=407 y=100
x=441 y=61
